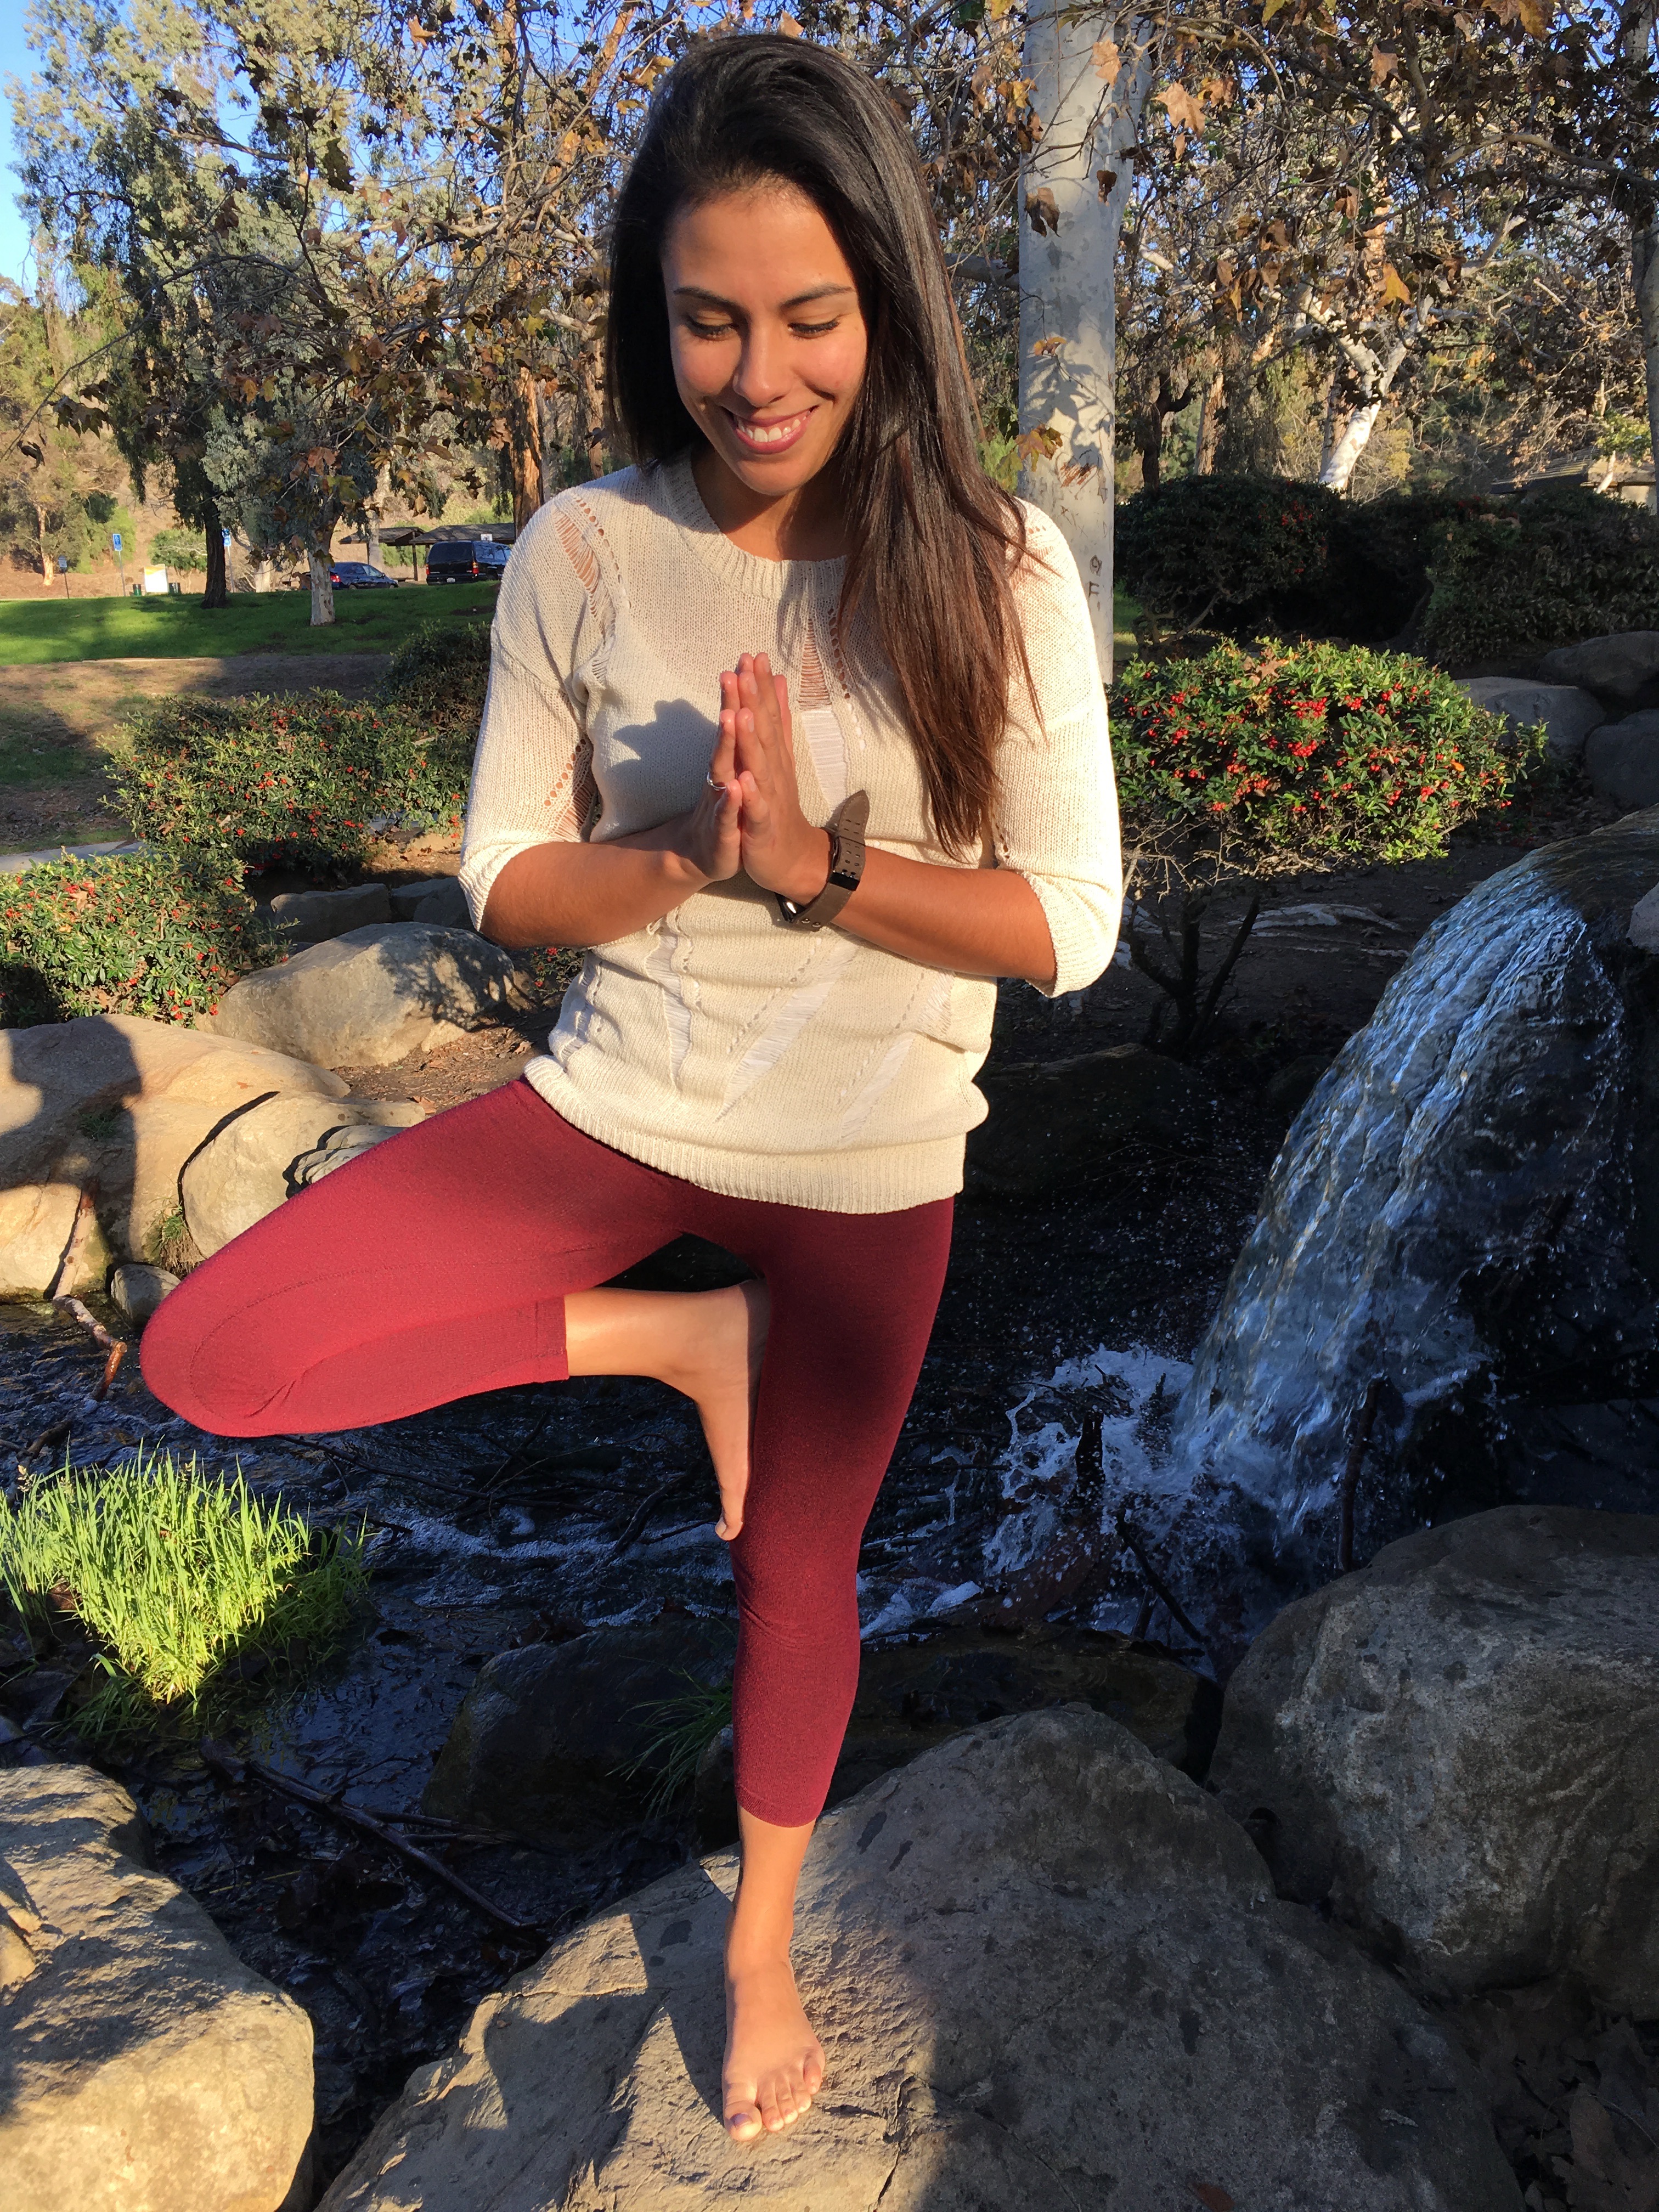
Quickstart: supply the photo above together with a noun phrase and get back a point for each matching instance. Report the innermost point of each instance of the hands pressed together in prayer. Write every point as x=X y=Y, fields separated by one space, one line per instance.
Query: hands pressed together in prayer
x=749 y=816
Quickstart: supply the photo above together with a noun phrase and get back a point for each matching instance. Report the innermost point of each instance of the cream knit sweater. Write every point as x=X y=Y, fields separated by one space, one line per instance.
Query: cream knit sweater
x=719 y=1044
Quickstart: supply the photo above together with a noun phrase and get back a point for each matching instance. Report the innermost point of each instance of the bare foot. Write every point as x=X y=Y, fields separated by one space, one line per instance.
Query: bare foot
x=717 y=1364
x=774 y=2062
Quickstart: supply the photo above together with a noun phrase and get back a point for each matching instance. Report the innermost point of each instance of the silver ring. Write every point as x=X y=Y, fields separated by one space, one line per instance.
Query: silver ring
x=713 y=784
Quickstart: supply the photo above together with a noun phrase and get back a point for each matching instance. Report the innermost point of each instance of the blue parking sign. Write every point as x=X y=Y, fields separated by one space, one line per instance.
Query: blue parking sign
x=115 y=539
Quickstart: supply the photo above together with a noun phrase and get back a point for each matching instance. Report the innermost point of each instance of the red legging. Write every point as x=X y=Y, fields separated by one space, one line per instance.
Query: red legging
x=437 y=1265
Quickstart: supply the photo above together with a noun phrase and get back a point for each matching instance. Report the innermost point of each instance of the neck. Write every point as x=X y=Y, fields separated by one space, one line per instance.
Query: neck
x=807 y=524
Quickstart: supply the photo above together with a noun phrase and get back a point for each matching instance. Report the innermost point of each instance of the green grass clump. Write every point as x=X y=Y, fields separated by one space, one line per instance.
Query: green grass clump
x=254 y=622
x=172 y=1573
x=686 y=1724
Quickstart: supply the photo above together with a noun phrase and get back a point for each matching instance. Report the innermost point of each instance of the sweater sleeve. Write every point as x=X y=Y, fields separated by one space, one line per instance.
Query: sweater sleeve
x=532 y=779
x=1056 y=820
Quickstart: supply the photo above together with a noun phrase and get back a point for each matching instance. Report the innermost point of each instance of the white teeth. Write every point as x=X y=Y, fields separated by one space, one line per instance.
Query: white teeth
x=767 y=434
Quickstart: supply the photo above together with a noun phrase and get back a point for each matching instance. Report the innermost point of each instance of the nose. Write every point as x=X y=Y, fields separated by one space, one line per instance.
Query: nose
x=761 y=373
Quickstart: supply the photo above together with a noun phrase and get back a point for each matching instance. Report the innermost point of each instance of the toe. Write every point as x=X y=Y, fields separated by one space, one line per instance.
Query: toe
x=742 y=2124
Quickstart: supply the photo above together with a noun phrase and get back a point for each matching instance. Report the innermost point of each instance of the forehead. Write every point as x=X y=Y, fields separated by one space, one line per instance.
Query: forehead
x=768 y=242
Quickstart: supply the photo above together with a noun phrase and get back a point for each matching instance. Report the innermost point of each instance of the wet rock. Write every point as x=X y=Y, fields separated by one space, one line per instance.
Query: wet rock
x=1458 y=1748
x=147 y=2068
x=317 y=916
x=1290 y=1087
x=1469 y=1209
x=913 y=1696
x=1046 y=1969
x=1623 y=761
x=373 y=996
x=268 y=1154
x=1644 y=922
x=1568 y=713
x=138 y=1289
x=1060 y=1125
x=1616 y=668
x=540 y=1739
x=121 y=1103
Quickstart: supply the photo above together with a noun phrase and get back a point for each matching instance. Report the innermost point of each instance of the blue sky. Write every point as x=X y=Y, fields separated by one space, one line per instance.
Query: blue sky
x=15 y=60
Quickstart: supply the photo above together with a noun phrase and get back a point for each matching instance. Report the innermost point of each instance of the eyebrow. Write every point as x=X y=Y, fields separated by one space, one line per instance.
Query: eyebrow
x=800 y=300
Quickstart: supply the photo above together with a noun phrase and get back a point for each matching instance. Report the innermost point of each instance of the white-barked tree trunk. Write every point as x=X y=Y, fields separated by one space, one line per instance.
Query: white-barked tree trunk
x=1073 y=191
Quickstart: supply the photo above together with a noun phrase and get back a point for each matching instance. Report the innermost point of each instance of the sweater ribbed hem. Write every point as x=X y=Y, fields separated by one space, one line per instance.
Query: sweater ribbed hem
x=888 y=1181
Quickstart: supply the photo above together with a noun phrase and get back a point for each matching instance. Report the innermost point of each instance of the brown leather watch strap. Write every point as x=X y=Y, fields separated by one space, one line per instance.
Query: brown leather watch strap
x=845 y=827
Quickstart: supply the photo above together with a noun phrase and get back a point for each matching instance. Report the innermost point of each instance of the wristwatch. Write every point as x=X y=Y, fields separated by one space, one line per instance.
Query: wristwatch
x=845 y=827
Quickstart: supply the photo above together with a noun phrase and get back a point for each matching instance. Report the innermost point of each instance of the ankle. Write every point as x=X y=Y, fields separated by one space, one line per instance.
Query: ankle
x=750 y=1949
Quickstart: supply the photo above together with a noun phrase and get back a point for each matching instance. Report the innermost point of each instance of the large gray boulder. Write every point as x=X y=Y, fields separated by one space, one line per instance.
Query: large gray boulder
x=315 y=916
x=1047 y=1971
x=1568 y=713
x=115 y=1101
x=1462 y=1228
x=373 y=996
x=266 y=1154
x=1458 y=1749
x=408 y=899
x=144 y=2068
x=1622 y=759
x=1618 y=667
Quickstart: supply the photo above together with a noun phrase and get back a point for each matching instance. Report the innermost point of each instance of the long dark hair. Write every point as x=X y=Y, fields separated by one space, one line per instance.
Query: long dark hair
x=930 y=539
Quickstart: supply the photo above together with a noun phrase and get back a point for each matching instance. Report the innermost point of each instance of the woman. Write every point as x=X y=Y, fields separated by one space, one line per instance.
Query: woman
x=797 y=723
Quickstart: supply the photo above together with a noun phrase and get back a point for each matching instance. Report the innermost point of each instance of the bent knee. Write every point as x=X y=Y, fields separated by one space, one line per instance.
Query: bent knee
x=201 y=1365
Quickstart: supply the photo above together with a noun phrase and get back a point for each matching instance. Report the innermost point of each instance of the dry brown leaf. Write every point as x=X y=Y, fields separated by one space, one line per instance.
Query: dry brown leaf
x=1105 y=180
x=1185 y=109
x=1108 y=58
x=1043 y=210
x=1384 y=64
x=1048 y=345
x=1394 y=286
x=789 y=27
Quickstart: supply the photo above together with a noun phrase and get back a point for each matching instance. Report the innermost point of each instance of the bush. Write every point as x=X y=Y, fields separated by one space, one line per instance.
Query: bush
x=1301 y=751
x=1560 y=564
x=1240 y=763
x=178 y=548
x=171 y=1574
x=1232 y=553
x=161 y=933
x=295 y=783
x=445 y=665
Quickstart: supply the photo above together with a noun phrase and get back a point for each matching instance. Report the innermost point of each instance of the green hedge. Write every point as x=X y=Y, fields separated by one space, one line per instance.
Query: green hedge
x=295 y=783
x=1318 y=749
x=1229 y=553
x=1555 y=566
x=161 y=933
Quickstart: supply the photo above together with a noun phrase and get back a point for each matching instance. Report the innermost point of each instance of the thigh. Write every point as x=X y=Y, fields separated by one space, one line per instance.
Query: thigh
x=434 y=1266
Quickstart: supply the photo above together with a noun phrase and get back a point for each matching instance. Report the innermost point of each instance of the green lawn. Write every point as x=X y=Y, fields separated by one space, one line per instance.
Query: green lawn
x=273 y=622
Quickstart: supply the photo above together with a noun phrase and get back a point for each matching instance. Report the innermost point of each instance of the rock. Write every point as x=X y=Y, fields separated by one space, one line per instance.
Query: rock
x=147 y=2068
x=1469 y=1209
x=121 y=1103
x=1617 y=667
x=1285 y=1093
x=119 y=849
x=408 y=898
x=1644 y=922
x=138 y=1289
x=1047 y=1971
x=266 y=1154
x=1567 y=714
x=448 y=907
x=539 y=1739
x=1060 y=1125
x=317 y=916
x=1459 y=1748
x=913 y=1696
x=373 y=996
x=1623 y=761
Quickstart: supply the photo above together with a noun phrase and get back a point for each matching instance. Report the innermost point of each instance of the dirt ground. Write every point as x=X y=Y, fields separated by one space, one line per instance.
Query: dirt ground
x=60 y=727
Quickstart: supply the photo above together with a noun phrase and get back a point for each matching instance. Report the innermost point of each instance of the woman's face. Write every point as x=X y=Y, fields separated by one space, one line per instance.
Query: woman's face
x=768 y=336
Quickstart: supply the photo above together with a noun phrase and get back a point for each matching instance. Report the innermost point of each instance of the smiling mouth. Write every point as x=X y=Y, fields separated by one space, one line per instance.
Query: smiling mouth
x=767 y=437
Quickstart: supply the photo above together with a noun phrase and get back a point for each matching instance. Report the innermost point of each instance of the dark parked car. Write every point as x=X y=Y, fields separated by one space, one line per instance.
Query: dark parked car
x=466 y=561
x=358 y=576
